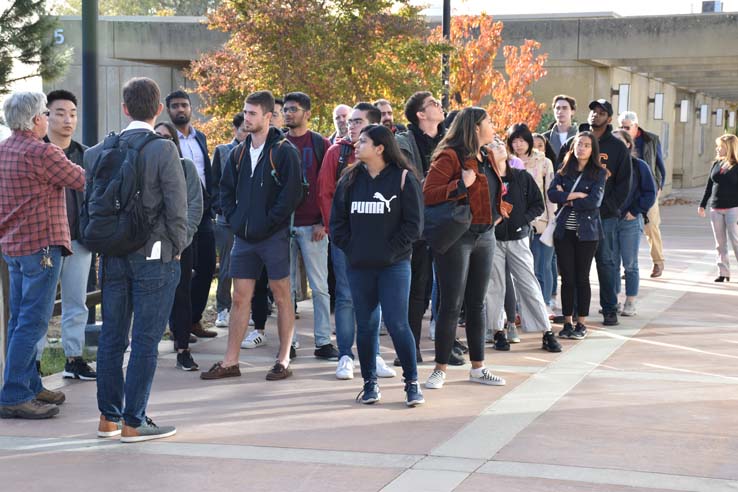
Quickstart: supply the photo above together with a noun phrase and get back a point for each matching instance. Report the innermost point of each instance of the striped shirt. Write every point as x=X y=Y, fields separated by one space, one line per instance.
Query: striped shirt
x=33 y=209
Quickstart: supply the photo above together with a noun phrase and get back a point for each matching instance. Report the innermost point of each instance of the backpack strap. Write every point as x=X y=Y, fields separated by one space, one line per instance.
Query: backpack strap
x=275 y=173
x=318 y=148
x=402 y=180
x=343 y=159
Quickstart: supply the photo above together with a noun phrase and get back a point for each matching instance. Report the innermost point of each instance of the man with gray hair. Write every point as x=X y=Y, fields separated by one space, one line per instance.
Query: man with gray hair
x=340 y=121
x=648 y=147
x=34 y=235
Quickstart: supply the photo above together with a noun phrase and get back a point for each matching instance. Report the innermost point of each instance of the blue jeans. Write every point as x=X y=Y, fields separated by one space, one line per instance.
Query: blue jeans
x=626 y=249
x=434 y=295
x=607 y=266
x=542 y=256
x=344 y=313
x=315 y=258
x=32 y=292
x=223 y=246
x=390 y=288
x=143 y=290
x=75 y=270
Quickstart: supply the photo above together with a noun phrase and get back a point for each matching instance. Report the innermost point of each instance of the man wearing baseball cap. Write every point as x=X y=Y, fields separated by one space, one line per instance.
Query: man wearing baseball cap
x=616 y=157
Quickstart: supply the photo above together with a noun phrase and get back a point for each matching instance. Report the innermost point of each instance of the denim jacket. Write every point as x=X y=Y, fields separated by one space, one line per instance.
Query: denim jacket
x=589 y=224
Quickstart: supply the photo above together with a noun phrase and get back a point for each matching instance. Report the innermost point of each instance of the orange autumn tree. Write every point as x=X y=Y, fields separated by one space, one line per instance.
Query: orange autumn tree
x=337 y=51
x=474 y=80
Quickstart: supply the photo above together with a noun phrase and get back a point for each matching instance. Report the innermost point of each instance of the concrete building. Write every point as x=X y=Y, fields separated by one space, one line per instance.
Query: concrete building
x=639 y=63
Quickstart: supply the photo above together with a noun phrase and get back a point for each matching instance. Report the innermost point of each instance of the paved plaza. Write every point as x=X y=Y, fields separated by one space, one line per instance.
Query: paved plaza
x=649 y=405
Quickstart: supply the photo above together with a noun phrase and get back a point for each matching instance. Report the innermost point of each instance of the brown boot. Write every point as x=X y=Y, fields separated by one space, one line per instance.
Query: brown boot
x=32 y=409
x=53 y=397
x=201 y=332
x=108 y=428
x=657 y=271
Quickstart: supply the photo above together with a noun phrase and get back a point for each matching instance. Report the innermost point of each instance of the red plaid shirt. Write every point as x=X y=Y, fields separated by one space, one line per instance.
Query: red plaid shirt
x=33 y=210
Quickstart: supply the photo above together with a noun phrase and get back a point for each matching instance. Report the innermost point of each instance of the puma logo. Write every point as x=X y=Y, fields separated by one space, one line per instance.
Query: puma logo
x=379 y=196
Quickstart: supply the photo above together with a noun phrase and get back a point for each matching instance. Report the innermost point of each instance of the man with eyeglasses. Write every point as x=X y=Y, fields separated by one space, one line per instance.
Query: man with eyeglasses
x=340 y=122
x=34 y=234
x=648 y=146
x=388 y=120
x=194 y=147
x=339 y=157
x=423 y=134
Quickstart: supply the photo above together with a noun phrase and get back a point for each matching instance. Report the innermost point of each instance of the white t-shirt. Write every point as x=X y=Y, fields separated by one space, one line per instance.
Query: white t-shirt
x=255 y=154
x=563 y=137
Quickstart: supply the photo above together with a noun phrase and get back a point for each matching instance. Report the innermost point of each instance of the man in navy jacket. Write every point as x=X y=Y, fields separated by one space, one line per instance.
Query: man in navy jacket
x=194 y=146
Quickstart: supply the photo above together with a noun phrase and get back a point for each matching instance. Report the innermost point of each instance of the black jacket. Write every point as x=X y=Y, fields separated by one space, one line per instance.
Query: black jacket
x=527 y=204
x=74 y=199
x=207 y=196
x=375 y=222
x=220 y=157
x=589 y=224
x=615 y=155
x=721 y=190
x=258 y=206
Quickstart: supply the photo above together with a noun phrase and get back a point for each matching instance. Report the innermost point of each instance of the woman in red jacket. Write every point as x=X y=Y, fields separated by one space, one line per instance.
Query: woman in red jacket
x=462 y=169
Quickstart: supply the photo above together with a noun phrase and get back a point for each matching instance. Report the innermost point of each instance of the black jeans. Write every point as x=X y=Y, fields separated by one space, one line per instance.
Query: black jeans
x=511 y=308
x=203 y=263
x=574 y=259
x=463 y=274
x=180 y=320
x=421 y=274
x=260 y=301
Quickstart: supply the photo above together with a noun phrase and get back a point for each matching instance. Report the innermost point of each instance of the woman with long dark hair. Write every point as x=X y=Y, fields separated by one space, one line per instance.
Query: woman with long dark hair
x=376 y=216
x=578 y=188
x=180 y=320
x=461 y=169
x=721 y=193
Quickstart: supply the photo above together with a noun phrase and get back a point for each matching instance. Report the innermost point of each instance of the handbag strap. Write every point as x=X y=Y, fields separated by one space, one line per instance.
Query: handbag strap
x=572 y=190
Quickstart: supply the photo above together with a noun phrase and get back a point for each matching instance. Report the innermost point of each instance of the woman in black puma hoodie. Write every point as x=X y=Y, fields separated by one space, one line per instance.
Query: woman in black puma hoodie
x=377 y=214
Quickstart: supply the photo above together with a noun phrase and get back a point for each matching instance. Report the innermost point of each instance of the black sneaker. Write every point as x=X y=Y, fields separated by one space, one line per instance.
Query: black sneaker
x=456 y=358
x=293 y=352
x=610 y=319
x=77 y=368
x=579 y=332
x=458 y=345
x=501 y=342
x=326 y=352
x=370 y=394
x=567 y=332
x=418 y=359
x=550 y=343
x=185 y=362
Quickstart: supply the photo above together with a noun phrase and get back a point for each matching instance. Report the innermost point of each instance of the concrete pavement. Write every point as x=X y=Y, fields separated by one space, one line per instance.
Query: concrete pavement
x=648 y=405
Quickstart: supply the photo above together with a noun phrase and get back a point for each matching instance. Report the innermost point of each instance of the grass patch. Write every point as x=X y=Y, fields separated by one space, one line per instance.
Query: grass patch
x=53 y=359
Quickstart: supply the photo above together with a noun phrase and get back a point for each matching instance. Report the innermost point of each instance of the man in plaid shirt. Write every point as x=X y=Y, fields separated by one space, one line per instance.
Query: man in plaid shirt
x=34 y=235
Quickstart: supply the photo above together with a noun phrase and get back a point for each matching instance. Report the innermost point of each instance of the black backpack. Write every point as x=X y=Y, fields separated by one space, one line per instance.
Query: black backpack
x=343 y=157
x=112 y=219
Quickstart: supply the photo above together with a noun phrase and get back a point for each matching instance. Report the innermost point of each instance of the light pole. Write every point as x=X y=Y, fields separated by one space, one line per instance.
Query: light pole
x=89 y=72
x=446 y=27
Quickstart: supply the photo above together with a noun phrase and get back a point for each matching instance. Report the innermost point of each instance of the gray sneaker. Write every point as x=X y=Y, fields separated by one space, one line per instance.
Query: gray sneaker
x=512 y=333
x=147 y=431
x=629 y=309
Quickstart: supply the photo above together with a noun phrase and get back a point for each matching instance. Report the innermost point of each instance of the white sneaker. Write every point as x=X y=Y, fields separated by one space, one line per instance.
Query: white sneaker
x=255 y=339
x=383 y=370
x=345 y=369
x=432 y=330
x=484 y=376
x=436 y=379
x=629 y=309
x=222 y=319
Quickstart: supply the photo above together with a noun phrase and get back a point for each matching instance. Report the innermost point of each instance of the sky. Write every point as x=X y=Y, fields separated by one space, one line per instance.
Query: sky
x=621 y=7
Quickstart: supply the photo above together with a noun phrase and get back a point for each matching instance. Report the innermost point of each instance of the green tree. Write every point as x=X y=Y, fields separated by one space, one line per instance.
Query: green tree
x=26 y=36
x=340 y=51
x=142 y=7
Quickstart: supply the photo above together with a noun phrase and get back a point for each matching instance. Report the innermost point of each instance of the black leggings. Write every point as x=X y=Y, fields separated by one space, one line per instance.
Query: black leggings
x=463 y=274
x=421 y=275
x=574 y=258
x=180 y=319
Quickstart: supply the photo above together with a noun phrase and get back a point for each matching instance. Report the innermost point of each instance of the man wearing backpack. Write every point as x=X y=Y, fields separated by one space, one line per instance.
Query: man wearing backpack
x=194 y=147
x=308 y=233
x=338 y=157
x=141 y=283
x=260 y=189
